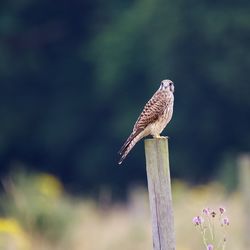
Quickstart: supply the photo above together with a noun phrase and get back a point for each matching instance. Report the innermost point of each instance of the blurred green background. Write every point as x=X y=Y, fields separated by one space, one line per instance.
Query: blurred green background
x=75 y=75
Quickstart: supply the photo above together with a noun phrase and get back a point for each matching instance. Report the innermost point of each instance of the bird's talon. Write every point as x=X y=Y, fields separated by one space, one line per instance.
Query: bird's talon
x=164 y=137
x=161 y=137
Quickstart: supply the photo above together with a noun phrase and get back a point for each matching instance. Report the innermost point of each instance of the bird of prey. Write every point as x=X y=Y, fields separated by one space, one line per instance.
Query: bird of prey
x=155 y=116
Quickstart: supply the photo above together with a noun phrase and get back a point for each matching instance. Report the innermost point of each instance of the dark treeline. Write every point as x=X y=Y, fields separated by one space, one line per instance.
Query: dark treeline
x=75 y=75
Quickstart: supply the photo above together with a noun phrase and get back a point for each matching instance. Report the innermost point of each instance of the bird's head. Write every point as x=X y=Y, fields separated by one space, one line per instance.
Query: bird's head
x=167 y=85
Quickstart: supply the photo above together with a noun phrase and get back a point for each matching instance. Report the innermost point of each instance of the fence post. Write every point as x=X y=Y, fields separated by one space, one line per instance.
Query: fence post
x=244 y=179
x=160 y=197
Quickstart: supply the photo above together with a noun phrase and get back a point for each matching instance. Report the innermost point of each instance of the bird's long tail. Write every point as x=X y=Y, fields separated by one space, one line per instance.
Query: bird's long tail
x=129 y=144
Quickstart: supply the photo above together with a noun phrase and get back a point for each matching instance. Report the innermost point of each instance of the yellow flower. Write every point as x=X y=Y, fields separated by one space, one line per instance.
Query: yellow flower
x=9 y=226
x=12 y=235
x=49 y=186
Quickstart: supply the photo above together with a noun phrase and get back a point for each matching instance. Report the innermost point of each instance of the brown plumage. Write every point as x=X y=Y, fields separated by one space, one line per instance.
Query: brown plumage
x=154 y=118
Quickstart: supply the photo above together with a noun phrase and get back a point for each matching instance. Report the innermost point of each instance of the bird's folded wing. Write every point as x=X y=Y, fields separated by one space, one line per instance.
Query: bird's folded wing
x=152 y=111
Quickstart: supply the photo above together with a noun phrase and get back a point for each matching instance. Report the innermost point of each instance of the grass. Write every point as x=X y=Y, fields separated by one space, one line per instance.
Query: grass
x=45 y=218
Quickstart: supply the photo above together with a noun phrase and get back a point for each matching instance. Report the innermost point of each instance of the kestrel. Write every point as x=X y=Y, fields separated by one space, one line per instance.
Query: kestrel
x=155 y=116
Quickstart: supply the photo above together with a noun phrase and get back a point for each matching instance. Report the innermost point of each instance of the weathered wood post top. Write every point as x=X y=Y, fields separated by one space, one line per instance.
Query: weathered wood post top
x=160 y=197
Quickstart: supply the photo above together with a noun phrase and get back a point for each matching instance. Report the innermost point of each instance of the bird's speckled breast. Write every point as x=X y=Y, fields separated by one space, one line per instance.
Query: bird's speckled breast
x=157 y=127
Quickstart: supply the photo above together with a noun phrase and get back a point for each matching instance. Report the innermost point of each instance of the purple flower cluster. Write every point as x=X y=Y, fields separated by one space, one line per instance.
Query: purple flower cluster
x=206 y=225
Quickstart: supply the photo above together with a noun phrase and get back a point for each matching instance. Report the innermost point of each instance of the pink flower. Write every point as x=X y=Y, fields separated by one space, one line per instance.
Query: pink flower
x=206 y=211
x=213 y=214
x=198 y=220
x=210 y=247
x=226 y=221
x=222 y=210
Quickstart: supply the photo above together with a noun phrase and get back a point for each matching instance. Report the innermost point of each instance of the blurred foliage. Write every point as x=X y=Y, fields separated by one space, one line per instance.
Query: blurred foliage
x=38 y=203
x=127 y=226
x=12 y=236
x=32 y=218
x=75 y=75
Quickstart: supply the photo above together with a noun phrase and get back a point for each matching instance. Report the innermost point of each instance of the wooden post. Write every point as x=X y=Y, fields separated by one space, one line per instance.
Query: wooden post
x=244 y=179
x=160 y=197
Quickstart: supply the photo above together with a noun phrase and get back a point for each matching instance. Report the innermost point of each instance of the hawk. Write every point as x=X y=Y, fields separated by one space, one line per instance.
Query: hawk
x=155 y=116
